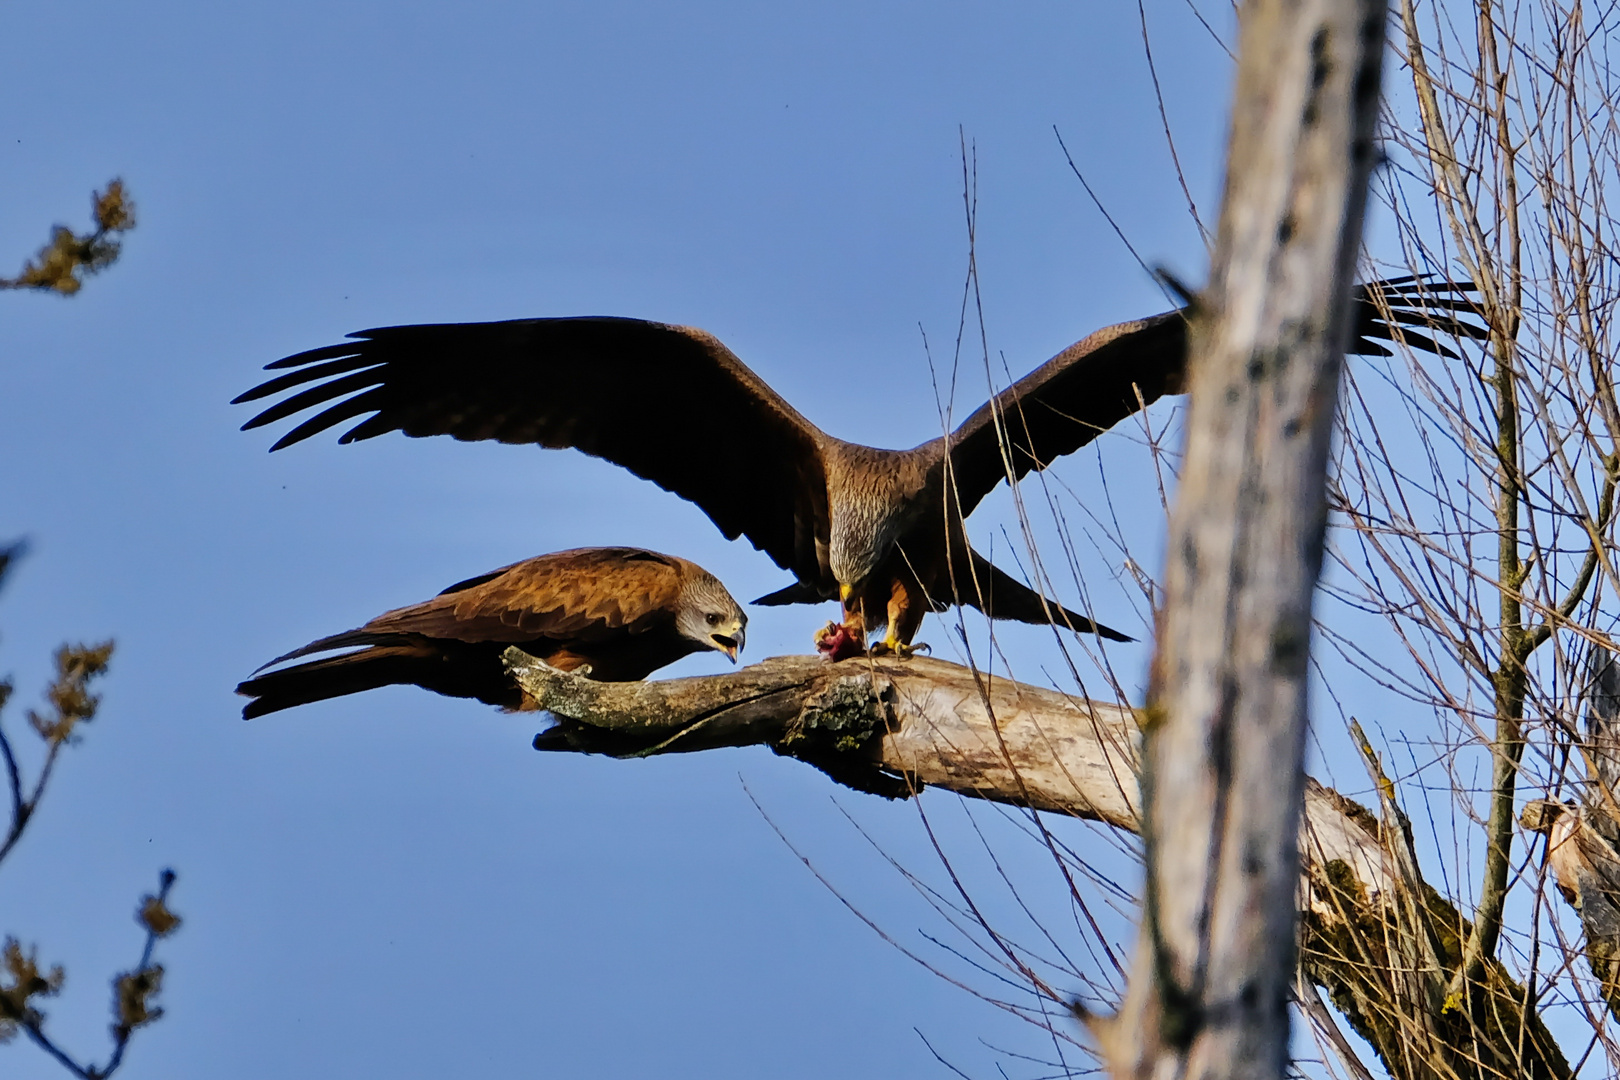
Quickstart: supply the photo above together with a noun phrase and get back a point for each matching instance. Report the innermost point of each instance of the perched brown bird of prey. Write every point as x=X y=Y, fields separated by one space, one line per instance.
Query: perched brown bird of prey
x=614 y=614
x=880 y=530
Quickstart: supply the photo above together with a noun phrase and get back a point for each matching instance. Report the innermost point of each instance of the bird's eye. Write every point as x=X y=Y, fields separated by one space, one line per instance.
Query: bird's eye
x=714 y=620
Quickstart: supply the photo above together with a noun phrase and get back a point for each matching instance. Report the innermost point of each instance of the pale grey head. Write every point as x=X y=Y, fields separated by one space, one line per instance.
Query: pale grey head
x=709 y=616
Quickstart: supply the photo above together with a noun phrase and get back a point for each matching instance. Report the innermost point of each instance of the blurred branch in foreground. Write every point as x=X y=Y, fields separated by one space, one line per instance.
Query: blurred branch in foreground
x=133 y=991
x=70 y=704
x=1223 y=757
x=62 y=265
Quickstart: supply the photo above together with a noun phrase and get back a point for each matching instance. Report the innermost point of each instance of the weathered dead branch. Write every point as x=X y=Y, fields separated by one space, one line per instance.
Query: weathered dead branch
x=881 y=726
x=894 y=727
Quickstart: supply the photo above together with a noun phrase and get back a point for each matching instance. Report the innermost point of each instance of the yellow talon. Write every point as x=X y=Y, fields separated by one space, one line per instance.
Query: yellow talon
x=893 y=646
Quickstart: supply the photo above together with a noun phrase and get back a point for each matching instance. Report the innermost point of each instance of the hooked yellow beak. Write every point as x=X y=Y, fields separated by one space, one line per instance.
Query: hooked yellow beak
x=845 y=591
x=727 y=645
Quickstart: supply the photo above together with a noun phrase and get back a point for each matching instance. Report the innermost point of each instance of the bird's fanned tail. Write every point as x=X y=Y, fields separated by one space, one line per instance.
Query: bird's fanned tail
x=403 y=660
x=1002 y=596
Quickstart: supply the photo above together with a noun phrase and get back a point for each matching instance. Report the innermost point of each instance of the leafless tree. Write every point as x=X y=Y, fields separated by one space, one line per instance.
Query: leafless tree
x=61 y=267
x=69 y=705
x=1471 y=599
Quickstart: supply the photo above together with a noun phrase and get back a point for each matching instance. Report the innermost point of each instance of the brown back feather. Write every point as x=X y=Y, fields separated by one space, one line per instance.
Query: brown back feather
x=584 y=595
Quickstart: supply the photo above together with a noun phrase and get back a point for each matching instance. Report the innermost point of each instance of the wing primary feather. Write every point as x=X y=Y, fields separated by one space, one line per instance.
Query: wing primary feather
x=1371 y=322
x=370 y=428
x=328 y=418
x=303 y=375
x=315 y=395
x=1362 y=347
x=1424 y=285
x=325 y=352
x=1421 y=341
x=1451 y=323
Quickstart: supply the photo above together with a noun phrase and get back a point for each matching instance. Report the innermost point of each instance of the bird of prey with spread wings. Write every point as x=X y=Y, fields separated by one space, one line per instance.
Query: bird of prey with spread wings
x=615 y=614
x=880 y=530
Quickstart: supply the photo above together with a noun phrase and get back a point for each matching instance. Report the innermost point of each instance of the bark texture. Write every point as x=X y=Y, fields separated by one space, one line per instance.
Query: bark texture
x=893 y=727
x=1224 y=778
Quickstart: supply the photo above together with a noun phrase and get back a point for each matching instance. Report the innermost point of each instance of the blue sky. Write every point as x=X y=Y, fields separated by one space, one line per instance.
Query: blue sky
x=395 y=884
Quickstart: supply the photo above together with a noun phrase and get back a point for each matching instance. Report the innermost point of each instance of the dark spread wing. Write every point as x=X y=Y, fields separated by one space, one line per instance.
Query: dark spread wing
x=1068 y=401
x=669 y=403
x=1419 y=311
x=1094 y=384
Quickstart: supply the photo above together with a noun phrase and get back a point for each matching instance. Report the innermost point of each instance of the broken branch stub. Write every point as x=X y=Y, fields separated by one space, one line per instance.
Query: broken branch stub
x=885 y=726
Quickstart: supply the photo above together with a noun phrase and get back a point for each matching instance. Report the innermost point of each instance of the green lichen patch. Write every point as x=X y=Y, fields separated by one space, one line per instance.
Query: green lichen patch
x=844 y=716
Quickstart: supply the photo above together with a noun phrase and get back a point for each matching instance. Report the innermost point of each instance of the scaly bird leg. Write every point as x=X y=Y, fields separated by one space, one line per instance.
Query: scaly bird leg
x=905 y=617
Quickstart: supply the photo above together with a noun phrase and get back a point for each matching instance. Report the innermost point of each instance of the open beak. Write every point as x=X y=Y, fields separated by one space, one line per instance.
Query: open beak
x=727 y=645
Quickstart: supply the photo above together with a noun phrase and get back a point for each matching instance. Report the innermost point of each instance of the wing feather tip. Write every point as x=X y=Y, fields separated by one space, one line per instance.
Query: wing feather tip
x=289 y=439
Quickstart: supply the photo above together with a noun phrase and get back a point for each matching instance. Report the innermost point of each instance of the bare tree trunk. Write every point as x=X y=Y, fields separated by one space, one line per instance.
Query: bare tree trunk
x=891 y=727
x=1224 y=776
